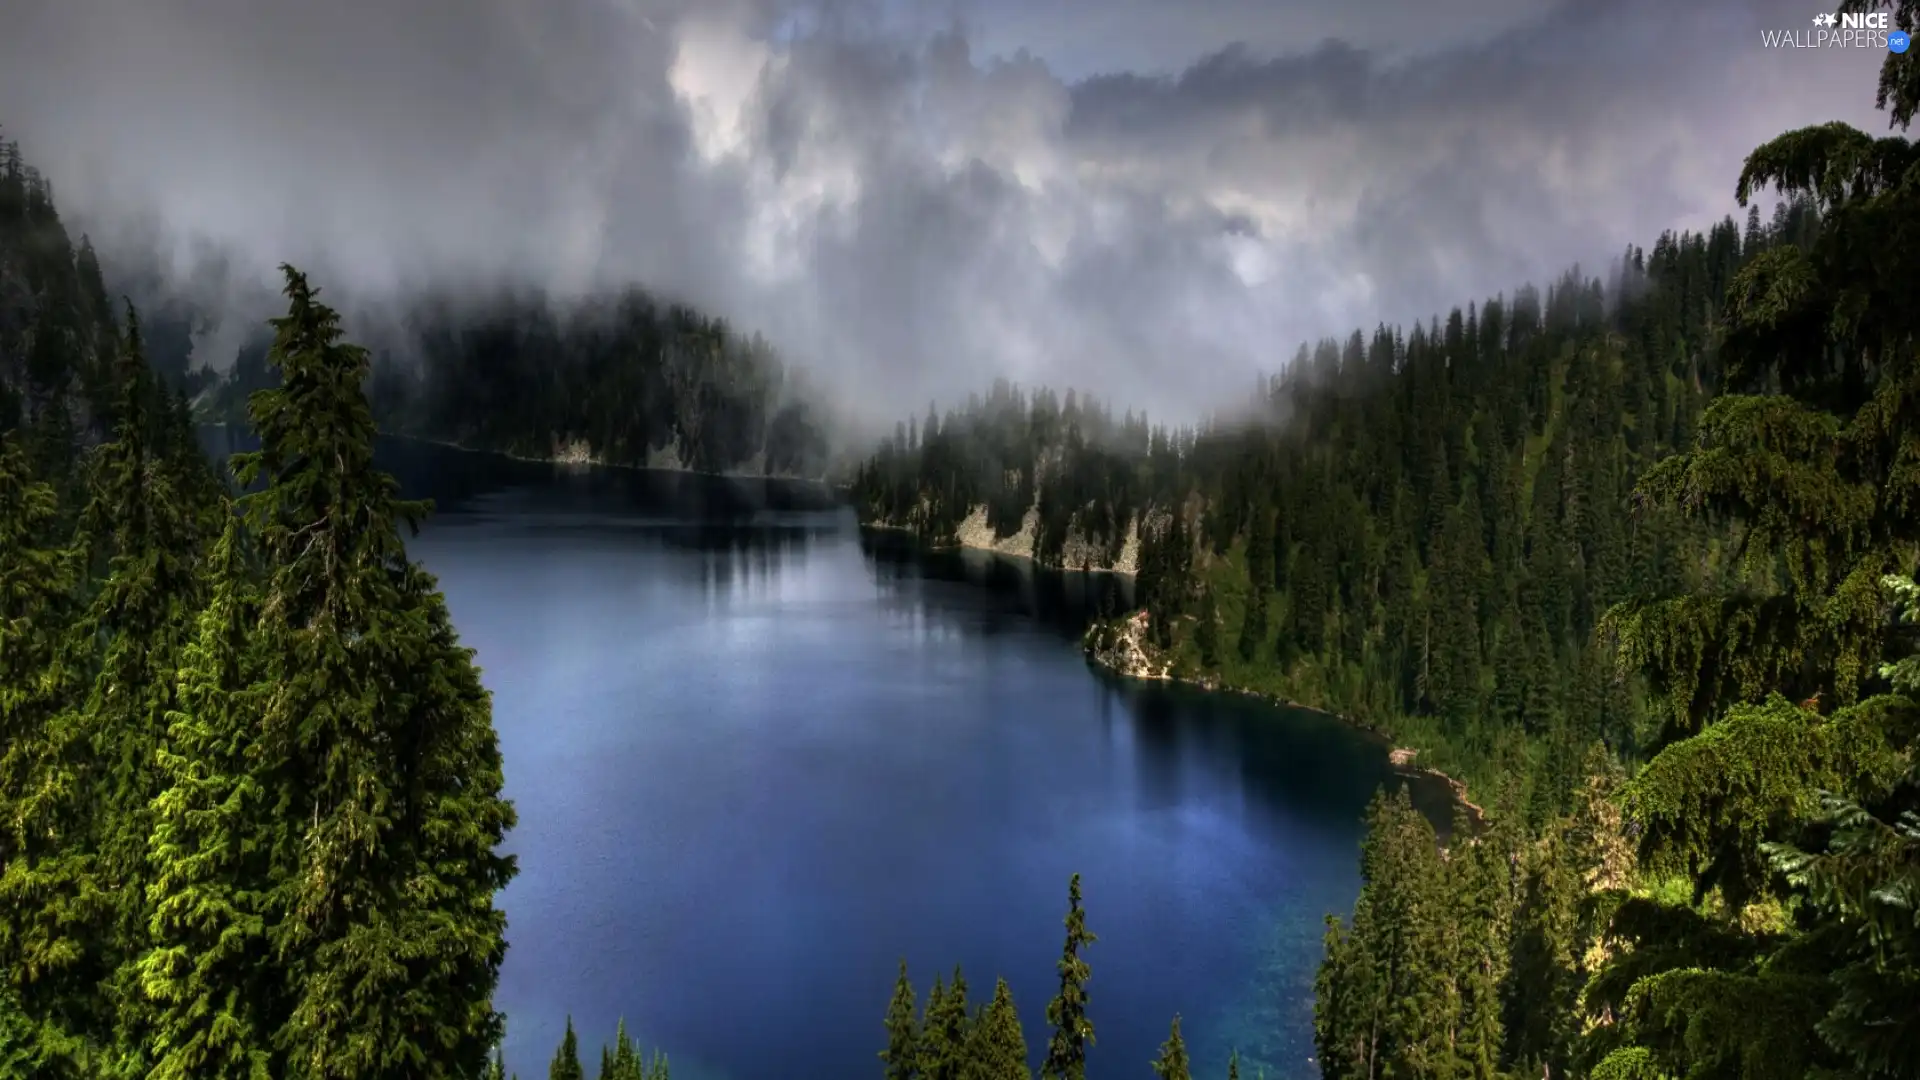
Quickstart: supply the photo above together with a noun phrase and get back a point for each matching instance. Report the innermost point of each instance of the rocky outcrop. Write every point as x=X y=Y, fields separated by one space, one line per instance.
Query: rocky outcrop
x=1121 y=646
x=1079 y=552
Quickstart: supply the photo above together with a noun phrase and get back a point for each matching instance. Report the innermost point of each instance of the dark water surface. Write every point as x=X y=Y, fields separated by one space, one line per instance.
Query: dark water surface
x=759 y=757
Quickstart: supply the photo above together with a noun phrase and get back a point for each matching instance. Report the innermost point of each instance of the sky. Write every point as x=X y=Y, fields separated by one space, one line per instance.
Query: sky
x=1155 y=199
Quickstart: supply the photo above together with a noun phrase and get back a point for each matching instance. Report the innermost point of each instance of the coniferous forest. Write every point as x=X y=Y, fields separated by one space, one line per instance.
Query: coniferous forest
x=1633 y=556
x=1634 y=559
x=250 y=790
x=617 y=380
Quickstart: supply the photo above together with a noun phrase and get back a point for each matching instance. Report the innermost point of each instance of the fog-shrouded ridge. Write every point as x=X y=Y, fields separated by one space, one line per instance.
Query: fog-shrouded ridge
x=908 y=204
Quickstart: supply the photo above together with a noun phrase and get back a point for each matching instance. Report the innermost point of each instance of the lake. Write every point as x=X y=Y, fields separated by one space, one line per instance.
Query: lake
x=759 y=756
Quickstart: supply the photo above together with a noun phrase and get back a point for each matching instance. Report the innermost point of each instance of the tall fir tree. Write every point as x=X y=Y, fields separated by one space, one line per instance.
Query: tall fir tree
x=41 y=954
x=996 y=1047
x=566 y=1057
x=901 y=1055
x=932 y=1054
x=944 y=1035
x=141 y=533
x=1066 y=1057
x=1172 y=1062
x=214 y=999
x=379 y=735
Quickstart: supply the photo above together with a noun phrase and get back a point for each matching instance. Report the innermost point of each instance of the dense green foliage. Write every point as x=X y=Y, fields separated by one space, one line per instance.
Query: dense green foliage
x=250 y=799
x=1416 y=529
x=1588 y=551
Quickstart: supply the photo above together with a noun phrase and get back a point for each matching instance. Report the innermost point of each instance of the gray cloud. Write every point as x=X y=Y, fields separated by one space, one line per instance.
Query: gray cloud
x=1158 y=198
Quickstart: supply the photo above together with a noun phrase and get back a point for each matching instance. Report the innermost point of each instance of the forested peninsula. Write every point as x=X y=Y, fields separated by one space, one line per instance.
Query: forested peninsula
x=1634 y=557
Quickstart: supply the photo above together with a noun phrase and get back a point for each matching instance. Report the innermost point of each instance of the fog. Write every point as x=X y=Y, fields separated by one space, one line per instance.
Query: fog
x=1157 y=199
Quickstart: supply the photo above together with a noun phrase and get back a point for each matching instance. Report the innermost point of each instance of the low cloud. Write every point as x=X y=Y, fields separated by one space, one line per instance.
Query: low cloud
x=1160 y=208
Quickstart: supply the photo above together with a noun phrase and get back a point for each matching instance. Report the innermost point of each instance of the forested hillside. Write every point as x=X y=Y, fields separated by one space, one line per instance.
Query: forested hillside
x=1413 y=527
x=619 y=379
x=1033 y=460
x=1637 y=561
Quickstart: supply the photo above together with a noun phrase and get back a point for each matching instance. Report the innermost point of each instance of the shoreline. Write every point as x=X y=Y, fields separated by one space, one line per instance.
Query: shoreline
x=961 y=545
x=1128 y=659
x=446 y=444
x=595 y=463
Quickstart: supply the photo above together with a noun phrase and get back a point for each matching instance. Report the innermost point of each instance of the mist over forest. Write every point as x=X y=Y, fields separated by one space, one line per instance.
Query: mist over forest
x=905 y=204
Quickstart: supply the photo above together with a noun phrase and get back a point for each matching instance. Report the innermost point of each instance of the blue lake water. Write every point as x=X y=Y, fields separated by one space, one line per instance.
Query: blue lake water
x=759 y=757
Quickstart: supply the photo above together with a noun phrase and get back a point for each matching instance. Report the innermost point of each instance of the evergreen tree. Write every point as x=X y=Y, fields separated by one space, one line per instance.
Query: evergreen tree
x=141 y=531
x=1260 y=571
x=933 y=1055
x=1066 y=1057
x=380 y=723
x=625 y=1063
x=1807 y=448
x=901 y=1054
x=1385 y=999
x=1206 y=630
x=944 y=1037
x=566 y=1059
x=996 y=1048
x=1863 y=888
x=40 y=951
x=1172 y=1062
x=216 y=1001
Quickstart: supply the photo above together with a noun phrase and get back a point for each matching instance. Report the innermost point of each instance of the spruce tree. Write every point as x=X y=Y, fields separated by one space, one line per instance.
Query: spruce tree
x=215 y=1000
x=1206 y=630
x=1808 y=451
x=1384 y=999
x=931 y=1052
x=1066 y=1057
x=901 y=1054
x=1172 y=1062
x=625 y=1063
x=943 y=1037
x=142 y=534
x=566 y=1059
x=368 y=735
x=996 y=1047
x=40 y=953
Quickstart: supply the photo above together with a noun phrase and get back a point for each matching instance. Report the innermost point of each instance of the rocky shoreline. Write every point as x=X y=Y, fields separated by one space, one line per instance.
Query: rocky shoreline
x=974 y=534
x=1121 y=646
